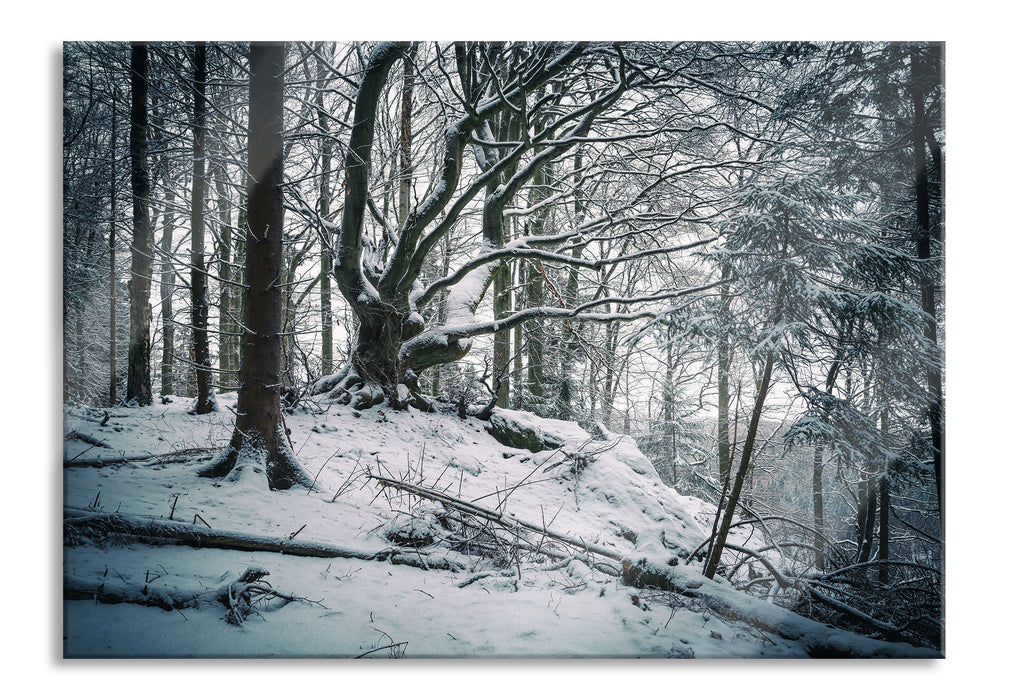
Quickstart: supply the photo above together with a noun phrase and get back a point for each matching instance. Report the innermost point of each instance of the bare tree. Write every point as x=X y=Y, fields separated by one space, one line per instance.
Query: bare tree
x=205 y=401
x=260 y=443
x=382 y=280
x=138 y=382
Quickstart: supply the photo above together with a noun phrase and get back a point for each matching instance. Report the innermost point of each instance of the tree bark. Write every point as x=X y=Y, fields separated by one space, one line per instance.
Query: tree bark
x=502 y=339
x=112 y=257
x=866 y=518
x=405 y=156
x=744 y=464
x=166 y=289
x=922 y=237
x=138 y=381
x=205 y=402
x=325 y=195
x=884 y=508
x=227 y=352
x=818 y=540
x=260 y=441
x=723 y=379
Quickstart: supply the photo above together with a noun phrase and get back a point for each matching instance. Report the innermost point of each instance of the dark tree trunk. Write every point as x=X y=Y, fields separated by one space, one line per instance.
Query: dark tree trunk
x=534 y=330
x=723 y=380
x=138 y=380
x=502 y=339
x=112 y=258
x=166 y=290
x=668 y=412
x=866 y=517
x=569 y=344
x=228 y=342
x=205 y=402
x=405 y=156
x=259 y=441
x=744 y=464
x=923 y=241
x=884 y=509
x=818 y=505
x=238 y=274
x=325 y=283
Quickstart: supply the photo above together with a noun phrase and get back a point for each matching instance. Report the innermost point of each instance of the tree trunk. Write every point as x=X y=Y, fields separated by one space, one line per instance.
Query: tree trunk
x=226 y=322
x=502 y=339
x=744 y=464
x=260 y=442
x=325 y=284
x=534 y=340
x=818 y=505
x=138 y=380
x=723 y=380
x=536 y=328
x=884 y=508
x=668 y=412
x=406 y=113
x=923 y=239
x=518 y=401
x=866 y=516
x=166 y=289
x=205 y=402
x=569 y=344
x=112 y=258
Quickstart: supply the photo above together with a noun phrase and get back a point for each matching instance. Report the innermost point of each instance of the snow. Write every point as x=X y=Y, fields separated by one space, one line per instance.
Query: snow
x=597 y=488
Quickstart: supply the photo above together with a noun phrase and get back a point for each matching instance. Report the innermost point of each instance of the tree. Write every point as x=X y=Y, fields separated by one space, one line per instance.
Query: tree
x=205 y=401
x=259 y=443
x=138 y=382
x=382 y=280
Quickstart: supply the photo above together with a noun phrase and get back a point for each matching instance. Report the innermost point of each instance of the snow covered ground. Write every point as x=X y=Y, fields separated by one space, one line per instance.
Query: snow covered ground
x=598 y=489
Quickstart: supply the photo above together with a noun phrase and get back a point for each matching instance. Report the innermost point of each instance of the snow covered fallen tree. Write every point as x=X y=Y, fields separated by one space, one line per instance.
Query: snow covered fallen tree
x=247 y=594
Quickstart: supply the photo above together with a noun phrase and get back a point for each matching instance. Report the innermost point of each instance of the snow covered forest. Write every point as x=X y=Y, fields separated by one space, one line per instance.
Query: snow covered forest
x=473 y=349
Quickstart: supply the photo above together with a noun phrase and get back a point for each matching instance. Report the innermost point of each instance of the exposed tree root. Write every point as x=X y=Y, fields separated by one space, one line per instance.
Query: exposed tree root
x=348 y=388
x=280 y=466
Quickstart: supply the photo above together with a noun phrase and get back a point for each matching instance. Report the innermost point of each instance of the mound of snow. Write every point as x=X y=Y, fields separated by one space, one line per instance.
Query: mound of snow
x=593 y=488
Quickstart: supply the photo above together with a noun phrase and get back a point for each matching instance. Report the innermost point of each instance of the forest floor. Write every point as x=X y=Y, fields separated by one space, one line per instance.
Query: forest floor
x=470 y=590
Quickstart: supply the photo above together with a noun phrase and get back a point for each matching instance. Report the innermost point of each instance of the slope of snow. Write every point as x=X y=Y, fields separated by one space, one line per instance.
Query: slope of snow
x=598 y=489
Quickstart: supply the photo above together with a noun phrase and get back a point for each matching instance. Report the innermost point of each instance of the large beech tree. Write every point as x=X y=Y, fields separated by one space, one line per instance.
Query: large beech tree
x=259 y=443
x=382 y=280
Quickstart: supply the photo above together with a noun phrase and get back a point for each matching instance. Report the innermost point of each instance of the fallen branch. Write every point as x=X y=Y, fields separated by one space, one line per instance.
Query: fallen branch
x=84 y=525
x=505 y=521
x=240 y=597
x=86 y=437
x=888 y=631
x=820 y=640
x=147 y=459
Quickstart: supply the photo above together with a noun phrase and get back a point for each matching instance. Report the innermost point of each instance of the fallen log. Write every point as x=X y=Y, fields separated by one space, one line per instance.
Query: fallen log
x=239 y=597
x=819 y=639
x=80 y=525
x=148 y=459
